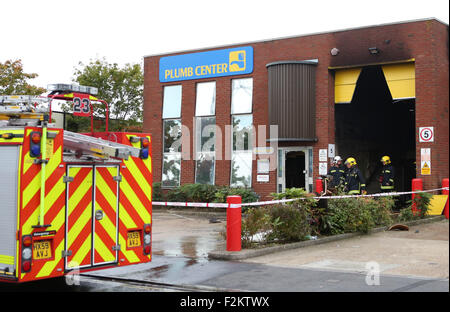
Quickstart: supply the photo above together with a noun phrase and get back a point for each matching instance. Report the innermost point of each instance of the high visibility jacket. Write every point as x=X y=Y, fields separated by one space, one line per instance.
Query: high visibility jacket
x=354 y=181
x=338 y=175
x=387 y=177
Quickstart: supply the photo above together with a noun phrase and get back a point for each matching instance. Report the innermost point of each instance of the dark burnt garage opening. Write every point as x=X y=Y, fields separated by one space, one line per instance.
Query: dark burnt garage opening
x=374 y=125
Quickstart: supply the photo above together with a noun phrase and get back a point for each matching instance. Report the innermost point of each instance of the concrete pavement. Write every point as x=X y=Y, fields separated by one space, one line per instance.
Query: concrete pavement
x=407 y=261
x=423 y=251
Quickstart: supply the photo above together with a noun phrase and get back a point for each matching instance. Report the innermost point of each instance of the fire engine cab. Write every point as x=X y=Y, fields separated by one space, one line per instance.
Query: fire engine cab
x=70 y=201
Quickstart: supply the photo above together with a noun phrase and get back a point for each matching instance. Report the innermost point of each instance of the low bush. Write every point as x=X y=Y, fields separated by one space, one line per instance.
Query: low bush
x=349 y=215
x=420 y=204
x=157 y=194
x=289 y=222
x=278 y=223
x=256 y=222
x=247 y=194
x=205 y=193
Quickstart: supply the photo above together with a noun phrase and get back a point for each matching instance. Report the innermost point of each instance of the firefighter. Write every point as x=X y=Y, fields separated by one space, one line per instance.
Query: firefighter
x=354 y=181
x=336 y=173
x=387 y=175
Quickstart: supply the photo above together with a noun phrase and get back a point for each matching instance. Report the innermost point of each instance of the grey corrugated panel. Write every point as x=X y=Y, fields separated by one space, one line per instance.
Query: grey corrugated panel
x=8 y=206
x=292 y=99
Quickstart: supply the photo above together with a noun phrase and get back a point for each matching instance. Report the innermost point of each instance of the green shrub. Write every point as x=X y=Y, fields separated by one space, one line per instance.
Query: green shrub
x=256 y=221
x=406 y=214
x=381 y=210
x=205 y=193
x=247 y=194
x=176 y=195
x=293 y=193
x=157 y=194
x=349 y=215
x=289 y=222
x=421 y=203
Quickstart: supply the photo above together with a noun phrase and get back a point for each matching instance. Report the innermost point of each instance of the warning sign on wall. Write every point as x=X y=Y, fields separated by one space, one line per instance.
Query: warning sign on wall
x=425 y=161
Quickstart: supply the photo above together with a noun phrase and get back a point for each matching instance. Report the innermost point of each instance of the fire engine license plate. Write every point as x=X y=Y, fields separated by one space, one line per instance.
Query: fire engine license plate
x=134 y=239
x=42 y=250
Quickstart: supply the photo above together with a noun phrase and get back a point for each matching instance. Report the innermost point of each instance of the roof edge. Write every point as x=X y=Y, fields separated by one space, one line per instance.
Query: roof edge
x=292 y=37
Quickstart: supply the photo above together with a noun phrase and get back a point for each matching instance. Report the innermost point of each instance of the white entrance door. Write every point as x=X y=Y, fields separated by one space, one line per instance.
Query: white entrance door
x=294 y=168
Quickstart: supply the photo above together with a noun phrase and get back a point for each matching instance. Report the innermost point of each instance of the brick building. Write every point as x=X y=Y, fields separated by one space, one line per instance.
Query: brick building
x=362 y=93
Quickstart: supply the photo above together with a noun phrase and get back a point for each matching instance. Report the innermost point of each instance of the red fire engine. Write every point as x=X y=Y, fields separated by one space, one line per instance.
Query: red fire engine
x=70 y=201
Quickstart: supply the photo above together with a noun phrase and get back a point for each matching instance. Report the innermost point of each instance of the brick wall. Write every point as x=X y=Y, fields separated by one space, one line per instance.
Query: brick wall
x=426 y=41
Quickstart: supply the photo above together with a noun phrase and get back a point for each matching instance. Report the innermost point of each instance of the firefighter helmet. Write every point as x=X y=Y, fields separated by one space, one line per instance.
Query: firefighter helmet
x=386 y=159
x=337 y=158
x=351 y=161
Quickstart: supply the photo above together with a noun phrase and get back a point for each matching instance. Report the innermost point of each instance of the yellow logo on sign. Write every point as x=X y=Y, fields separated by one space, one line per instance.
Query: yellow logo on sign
x=237 y=61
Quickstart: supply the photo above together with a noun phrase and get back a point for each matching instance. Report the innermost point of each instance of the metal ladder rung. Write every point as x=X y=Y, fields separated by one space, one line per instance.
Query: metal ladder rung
x=97 y=146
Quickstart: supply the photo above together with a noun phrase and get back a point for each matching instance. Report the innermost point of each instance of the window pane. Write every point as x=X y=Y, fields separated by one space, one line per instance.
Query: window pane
x=171 y=170
x=241 y=169
x=205 y=134
x=172 y=136
x=206 y=99
x=204 y=171
x=241 y=96
x=172 y=102
x=242 y=132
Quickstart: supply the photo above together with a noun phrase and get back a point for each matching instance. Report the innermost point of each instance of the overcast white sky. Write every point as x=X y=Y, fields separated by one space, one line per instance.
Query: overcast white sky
x=52 y=36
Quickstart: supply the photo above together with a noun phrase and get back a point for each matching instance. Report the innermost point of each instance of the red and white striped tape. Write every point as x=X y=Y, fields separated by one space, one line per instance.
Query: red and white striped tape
x=272 y=202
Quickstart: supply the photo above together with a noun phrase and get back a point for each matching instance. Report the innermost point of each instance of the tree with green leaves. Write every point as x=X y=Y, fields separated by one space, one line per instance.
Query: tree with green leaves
x=13 y=81
x=121 y=87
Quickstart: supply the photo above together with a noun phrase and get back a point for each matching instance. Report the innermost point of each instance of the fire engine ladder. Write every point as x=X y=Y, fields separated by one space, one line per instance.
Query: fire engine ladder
x=23 y=104
x=22 y=110
x=85 y=144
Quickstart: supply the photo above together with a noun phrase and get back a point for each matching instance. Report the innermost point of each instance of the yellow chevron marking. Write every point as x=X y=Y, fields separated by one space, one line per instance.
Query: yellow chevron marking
x=57 y=224
x=32 y=220
x=31 y=189
x=78 y=226
x=137 y=174
x=81 y=191
x=107 y=224
x=85 y=216
x=54 y=194
x=53 y=162
x=81 y=253
x=125 y=218
x=103 y=250
x=110 y=196
x=129 y=254
x=35 y=184
x=134 y=200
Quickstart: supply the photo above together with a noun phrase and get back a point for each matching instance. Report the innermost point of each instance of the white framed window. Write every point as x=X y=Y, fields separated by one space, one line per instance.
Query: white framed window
x=205 y=132
x=205 y=103
x=242 y=122
x=172 y=102
x=242 y=156
x=171 y=168
x=241 y=96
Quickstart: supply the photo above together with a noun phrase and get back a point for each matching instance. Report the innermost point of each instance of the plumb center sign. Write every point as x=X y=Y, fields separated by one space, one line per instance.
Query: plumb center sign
x=210 y=64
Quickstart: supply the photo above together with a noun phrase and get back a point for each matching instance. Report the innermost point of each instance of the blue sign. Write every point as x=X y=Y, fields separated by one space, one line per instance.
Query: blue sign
x=219 y=63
